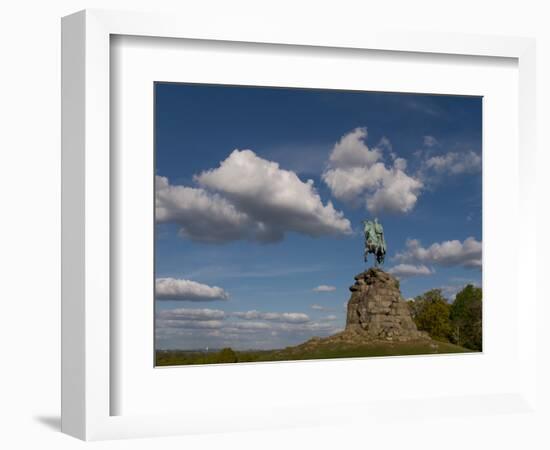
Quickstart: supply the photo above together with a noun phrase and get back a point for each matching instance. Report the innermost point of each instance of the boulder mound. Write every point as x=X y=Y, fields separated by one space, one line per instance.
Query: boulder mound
x=376 y=309
x=376 y=312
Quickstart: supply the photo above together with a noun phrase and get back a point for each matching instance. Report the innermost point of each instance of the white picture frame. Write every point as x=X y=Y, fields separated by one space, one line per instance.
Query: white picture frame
x=87 y=384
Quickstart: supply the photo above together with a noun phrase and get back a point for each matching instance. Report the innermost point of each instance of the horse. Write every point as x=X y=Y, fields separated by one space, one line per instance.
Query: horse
x=374 y=243
x=377 y=251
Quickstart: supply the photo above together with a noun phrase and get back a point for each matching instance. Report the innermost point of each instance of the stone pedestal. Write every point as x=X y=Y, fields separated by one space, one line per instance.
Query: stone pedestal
x=376 y=309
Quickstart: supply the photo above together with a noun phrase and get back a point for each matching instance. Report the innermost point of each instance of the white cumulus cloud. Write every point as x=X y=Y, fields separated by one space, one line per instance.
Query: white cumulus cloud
x=430 y=141
x=289 y=317
x=352 y=151
x=324 y=288
x=447 y=253
x=247 y=197
x=410 y=270
x=317 y=307
x=454 y=163
x=191 y=314
x=187 y=290
x=163 y=324
x=398 y=192
x=358 y=175
x=274 y=197
x=248 y=326
x=201 y=215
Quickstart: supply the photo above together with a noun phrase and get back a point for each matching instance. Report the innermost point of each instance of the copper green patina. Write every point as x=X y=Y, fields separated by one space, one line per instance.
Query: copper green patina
x=374 y=240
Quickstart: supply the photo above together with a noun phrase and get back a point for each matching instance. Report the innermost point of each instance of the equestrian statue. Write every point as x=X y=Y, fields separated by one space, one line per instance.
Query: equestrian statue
x=374 y=240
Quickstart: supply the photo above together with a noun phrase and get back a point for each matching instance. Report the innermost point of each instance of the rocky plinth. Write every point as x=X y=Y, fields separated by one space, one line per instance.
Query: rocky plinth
x=376 y=313
x=376 y=309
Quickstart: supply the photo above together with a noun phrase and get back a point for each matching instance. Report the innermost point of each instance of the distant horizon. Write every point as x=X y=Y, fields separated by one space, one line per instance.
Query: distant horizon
x=260 y=193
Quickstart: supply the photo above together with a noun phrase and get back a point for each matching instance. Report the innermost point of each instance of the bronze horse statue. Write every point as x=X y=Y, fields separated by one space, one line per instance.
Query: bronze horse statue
x=374 y=240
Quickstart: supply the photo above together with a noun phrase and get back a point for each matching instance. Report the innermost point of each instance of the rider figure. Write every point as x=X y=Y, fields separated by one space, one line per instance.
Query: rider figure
x=374 y=240
x=379 y=230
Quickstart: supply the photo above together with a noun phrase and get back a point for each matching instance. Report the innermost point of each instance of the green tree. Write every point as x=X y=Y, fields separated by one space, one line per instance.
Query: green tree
x=466 y=318
x=226 y=355
x=431 y=313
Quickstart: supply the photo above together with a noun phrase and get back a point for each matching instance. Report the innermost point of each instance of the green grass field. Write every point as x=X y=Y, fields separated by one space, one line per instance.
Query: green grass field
x=303 y=352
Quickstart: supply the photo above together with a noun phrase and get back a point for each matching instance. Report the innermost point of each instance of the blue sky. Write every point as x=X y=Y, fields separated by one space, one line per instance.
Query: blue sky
x=261 y=193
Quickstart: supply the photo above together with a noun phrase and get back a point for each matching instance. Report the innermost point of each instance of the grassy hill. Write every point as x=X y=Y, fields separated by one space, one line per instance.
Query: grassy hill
x=313 y=349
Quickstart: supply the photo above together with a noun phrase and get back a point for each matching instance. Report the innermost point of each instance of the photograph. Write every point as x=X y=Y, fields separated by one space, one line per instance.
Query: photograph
x=312 y=224
x=257 y=225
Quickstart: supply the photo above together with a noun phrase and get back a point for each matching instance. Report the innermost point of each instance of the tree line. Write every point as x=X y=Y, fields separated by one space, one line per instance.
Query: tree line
x=459 y=322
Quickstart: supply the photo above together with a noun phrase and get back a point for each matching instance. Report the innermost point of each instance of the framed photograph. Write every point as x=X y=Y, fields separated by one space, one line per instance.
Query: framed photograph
x=287 y=212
